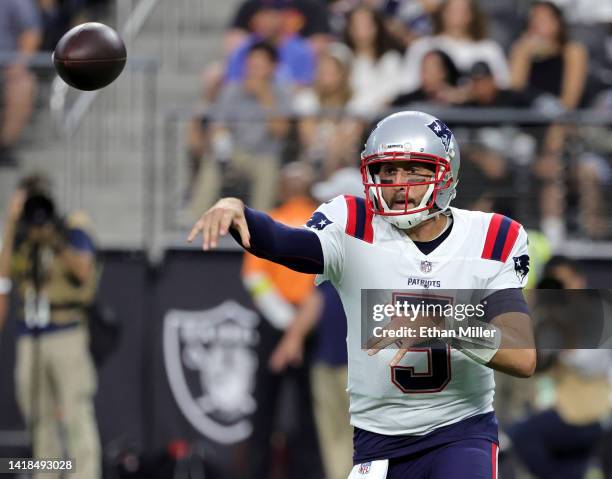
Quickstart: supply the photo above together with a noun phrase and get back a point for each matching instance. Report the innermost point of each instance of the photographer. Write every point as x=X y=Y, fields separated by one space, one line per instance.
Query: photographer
x=51 y=266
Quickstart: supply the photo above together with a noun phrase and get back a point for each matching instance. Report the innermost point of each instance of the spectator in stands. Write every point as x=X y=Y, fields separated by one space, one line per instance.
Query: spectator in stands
x=51 y=263
x=19 y=33
x=439 y=79
x=408 y=20
x=559 y=441
x=297 y=60
x=58 y=16
x=307 y=18
x=460 y=30
x=328 y=134
x=248 y=127
x=376 y=61
x=484 y=92
x=546 y=60
x=281 y=295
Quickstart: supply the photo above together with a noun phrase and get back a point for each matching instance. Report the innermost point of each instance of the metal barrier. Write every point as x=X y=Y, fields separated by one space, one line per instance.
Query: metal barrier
x=501 y=153
x=105 y=162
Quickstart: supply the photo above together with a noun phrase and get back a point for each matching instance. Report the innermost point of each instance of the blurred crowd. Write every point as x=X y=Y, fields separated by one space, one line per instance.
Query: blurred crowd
x=305 y=80
x=28 y=27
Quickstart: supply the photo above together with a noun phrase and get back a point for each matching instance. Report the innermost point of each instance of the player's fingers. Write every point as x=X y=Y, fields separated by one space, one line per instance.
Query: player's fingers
x=215 y=225
x=243 y=230
x=197 y=227
x=398 y=356
x=379 y=343
x=206 y=225
x=226 y=222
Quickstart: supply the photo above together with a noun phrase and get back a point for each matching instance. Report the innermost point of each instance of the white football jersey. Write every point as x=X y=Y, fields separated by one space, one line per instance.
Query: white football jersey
x=429 y=388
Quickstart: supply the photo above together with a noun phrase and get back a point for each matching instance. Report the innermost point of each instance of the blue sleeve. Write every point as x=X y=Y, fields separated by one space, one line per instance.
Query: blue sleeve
x=235 y=63
x=81 y=241
x=302 y=62
x=296 y=248
x=505 y=301
x=26 y=15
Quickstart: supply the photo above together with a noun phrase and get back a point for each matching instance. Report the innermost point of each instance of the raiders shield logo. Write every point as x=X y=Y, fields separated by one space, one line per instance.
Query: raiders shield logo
x=211 y=365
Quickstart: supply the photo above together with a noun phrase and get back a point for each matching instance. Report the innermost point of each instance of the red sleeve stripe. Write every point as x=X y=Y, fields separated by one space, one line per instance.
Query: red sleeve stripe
x=491 y=235
x=359 y=219
x=501 y=236
x=351 y=220
x=513 y=233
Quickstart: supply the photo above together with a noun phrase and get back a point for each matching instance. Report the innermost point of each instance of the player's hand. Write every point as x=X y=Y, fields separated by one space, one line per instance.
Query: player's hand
x=289 y=352
x=375 y=344
x=226 y=213
x=403 y=344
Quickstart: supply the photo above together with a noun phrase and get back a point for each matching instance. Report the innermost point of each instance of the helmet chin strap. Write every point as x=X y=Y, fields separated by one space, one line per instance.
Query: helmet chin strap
x=409 y=220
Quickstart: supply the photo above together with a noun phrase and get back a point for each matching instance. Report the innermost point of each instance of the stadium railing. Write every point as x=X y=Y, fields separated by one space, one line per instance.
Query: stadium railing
x=500 y=148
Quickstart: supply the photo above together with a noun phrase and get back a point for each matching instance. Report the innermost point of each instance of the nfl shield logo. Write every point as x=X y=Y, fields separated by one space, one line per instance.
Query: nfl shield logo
x=364 y=468
x=426 y=266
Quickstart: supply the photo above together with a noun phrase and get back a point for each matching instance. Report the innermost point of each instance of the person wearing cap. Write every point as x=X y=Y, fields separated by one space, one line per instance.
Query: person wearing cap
x=52 y=268
x=484 y=91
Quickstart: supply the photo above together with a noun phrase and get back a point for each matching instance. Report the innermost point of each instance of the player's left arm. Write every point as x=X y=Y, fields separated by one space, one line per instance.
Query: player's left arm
x=514 y=353
x=505 y=338
x=508 y=315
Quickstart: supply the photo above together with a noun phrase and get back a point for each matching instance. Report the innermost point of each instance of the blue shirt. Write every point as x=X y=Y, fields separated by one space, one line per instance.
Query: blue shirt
x=16 y=17
x=296 y=64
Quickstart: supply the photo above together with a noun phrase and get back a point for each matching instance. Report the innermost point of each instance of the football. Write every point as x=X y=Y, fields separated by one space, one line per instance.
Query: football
x=90 y=56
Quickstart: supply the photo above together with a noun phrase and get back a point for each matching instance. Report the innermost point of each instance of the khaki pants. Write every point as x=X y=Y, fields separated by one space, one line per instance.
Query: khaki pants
x=262 y=171
x=331 y=408
x=61 y=392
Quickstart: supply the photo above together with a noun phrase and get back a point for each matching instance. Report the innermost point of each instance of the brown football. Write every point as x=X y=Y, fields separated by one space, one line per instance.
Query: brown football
x=90 y=56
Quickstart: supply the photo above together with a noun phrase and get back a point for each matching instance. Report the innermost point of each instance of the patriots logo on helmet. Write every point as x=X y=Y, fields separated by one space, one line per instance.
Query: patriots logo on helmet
x=521 y=266
x=318 y=221
x=443 y=132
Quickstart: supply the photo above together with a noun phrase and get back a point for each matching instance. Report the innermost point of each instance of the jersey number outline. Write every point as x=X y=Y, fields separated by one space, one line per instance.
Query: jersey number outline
x=439 y=373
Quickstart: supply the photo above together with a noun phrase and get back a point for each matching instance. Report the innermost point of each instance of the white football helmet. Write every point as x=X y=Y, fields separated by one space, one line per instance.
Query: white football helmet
x=418 y=137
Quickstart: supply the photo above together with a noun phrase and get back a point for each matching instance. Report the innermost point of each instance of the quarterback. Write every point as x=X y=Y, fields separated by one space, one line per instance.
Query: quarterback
x=418 y=411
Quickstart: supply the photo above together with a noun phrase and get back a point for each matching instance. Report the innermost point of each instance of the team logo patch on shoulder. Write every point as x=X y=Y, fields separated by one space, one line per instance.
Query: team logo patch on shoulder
x=365 y=468
x=443 y=132
x=318 y=221
x=521 y=266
